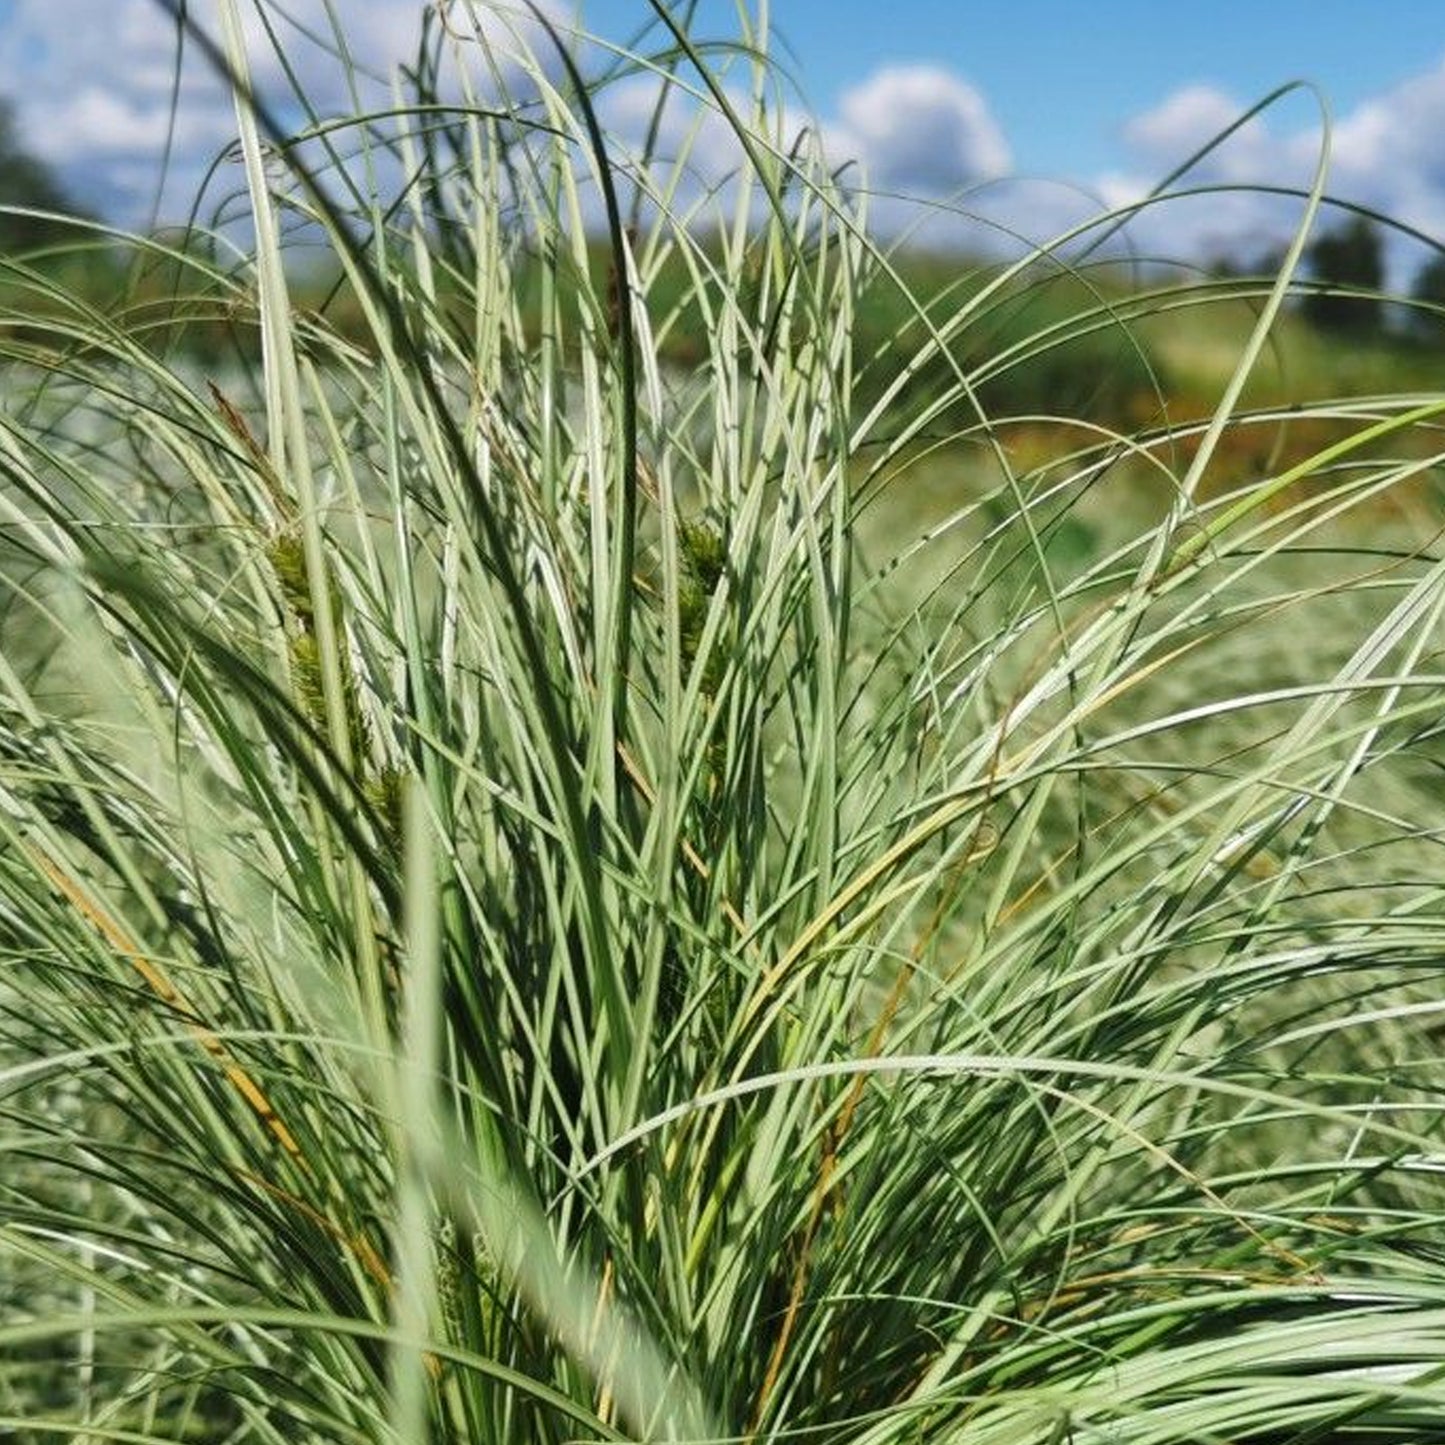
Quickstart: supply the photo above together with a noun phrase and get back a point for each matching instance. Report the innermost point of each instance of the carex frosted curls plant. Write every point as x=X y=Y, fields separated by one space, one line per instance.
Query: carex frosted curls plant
x=584 y=859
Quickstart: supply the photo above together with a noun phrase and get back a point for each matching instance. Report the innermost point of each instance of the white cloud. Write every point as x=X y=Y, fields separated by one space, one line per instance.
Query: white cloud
x=99 y=79
x=1386 y=154
x=1187 y=120
x=96 y=123
x=910 y=130
x=694 y=134
x=925 y=132
x=921 y=130
x=1390 y=152
x=1404 y=127
x=689 y=129
x=1240 y=220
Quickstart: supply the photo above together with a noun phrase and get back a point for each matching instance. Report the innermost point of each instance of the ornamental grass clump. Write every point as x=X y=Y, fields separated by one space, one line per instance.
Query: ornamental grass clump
x=551 y=894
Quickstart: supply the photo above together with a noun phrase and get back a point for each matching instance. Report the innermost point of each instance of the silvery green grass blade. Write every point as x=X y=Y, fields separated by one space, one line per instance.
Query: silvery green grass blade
x=612 y=831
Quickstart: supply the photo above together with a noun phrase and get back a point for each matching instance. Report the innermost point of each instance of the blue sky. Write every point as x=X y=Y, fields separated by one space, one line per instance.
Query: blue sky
x=1063 y=76
x=928 y=97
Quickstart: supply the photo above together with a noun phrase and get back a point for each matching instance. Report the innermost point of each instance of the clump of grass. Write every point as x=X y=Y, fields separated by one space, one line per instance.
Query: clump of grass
x=547 y=898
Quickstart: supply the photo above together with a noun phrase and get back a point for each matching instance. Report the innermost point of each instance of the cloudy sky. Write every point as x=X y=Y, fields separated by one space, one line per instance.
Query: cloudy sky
x=1035 y=112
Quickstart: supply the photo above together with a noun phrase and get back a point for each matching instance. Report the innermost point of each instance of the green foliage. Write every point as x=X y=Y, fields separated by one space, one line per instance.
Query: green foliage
x=1046 y=341
x=25 y=181
x=1428 y=293
x=549 y=896
x=1348 y=266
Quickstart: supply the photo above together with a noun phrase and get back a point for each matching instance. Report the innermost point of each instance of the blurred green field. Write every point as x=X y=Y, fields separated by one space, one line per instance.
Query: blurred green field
x=1094 y=343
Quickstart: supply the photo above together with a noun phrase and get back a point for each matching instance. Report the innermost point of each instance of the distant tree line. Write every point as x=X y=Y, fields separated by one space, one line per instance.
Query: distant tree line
x=27 y=181
x=1345 y=269
x=1429 y=292
x=1346 y=264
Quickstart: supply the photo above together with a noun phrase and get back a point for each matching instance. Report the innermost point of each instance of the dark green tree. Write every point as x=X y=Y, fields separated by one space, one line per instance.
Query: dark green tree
x=1352 y=258
x=1429 y=291
x=25 y=180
